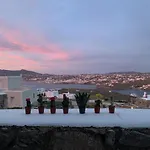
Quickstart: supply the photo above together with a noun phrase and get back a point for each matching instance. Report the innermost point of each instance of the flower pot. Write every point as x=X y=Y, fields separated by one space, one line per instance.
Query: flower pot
x=28 y=110
x=65 y=110
x=111 y=109
x=97 y=109
x=53 y=110
x=41 y=109
x=82 y=110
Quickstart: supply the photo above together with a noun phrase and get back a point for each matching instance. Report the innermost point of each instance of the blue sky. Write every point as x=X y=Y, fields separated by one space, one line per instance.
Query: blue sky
x=75 y=36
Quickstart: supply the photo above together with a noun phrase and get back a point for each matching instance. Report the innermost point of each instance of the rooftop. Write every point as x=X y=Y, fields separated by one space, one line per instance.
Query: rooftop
x=148 y=98
x=2 y=93
x=122 y=118
x=17 y=90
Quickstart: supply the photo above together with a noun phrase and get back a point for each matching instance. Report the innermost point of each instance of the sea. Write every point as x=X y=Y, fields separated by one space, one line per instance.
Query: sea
x=36 y=85
x=136 y=92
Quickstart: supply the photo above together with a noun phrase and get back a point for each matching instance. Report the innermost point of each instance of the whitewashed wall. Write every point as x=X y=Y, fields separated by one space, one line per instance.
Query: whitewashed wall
x=14 y=99
x=14 y=82
x=32 y=94
x=3 y=82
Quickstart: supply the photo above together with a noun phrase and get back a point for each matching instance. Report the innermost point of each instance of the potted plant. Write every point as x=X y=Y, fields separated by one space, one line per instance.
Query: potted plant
x=98 y=102
x=97 y=106
x=52 y=105
x=65 y=104
x=44 y=95
x=111 y=106
x=82 y=99
x=41 y=103
x=28 y=106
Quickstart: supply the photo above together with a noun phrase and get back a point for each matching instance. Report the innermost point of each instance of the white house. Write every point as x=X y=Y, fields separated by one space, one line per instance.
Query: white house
x=52 y=93
x=16 y=93
x=69 y=95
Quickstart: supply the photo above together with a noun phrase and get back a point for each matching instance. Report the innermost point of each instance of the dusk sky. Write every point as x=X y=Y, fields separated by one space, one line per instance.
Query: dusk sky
x=75 y=36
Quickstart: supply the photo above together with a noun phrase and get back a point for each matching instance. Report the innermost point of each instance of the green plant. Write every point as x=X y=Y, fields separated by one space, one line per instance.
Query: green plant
x=99 y=96
x=82 y=99
x=111 y=101
x=40 y=100
x=98 y=103
x=28 y=102
x=65 y=102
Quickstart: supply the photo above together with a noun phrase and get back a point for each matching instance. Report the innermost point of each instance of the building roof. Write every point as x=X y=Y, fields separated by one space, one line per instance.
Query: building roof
x=2 y=93
x=18 y=90
x=148 y=98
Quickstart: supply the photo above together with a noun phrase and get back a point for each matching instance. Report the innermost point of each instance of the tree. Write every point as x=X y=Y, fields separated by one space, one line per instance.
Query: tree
x=99 y=96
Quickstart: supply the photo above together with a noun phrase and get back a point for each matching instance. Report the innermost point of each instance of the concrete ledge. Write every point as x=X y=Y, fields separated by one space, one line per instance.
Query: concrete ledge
x=127 y=118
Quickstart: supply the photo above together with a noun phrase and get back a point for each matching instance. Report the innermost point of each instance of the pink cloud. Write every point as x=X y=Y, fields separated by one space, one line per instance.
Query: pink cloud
x=16 y=40
x=15 y=62
x=17 y=44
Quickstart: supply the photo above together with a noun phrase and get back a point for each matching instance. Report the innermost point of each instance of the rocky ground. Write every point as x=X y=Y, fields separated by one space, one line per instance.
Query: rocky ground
x=67 y=138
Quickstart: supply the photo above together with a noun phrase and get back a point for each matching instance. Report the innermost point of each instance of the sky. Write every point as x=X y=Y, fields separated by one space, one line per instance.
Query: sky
x=75 y=36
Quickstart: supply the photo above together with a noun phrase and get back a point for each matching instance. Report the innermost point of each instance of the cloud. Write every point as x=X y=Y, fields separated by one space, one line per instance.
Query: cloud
x=16 y=62
x=12 y=39
x=29 y=51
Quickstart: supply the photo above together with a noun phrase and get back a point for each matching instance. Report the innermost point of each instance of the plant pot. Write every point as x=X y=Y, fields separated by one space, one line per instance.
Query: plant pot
x=28 y=110
x=111 y=109
x=65 y=110
x=82 y=110
x=53 y=110
x=41 y=109
x=97 y=109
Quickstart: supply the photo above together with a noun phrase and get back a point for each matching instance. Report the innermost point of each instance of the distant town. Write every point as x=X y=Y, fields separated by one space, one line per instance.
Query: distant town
x=116 y=80
x=112 y=80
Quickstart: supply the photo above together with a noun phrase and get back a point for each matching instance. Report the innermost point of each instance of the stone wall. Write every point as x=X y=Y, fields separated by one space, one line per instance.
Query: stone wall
x=67 y=138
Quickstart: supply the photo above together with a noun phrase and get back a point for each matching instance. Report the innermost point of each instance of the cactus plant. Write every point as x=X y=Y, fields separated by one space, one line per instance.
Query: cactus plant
x=41 y=103
x=111 y=106
x=98 y=103
x=97 y=106
x=52 y=105
x=28 y=106
x=65 y=104
x=82 y=99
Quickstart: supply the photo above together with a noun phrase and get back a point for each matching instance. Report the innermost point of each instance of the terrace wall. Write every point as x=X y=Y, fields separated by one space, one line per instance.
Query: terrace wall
x=67 y=138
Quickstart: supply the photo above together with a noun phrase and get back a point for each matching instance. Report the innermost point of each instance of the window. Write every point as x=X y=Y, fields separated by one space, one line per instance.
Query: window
x=12 y=99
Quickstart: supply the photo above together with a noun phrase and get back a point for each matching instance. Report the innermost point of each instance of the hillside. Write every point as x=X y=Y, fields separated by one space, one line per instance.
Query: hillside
x=18 y=72
x=24 y=72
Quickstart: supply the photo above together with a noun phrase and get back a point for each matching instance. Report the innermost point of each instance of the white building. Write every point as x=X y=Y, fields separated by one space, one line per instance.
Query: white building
x=69 y=95
x=16 y=93
x=52 y=93
x=49 y=93
x=146 y=97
